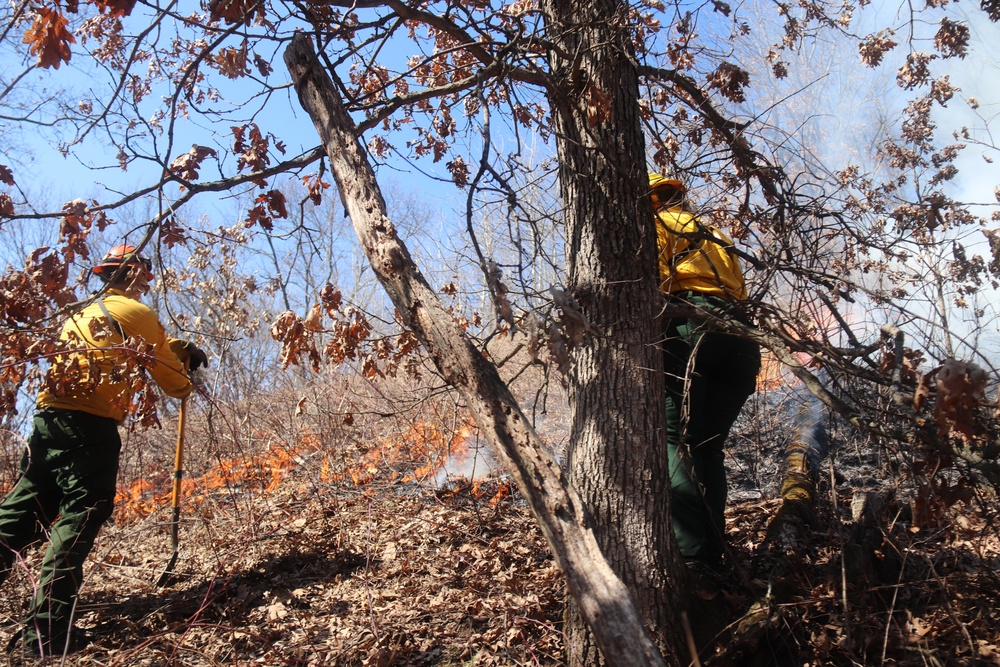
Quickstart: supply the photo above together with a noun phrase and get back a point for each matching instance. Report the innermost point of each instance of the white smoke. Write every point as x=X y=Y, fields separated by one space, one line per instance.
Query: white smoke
x=472 y=461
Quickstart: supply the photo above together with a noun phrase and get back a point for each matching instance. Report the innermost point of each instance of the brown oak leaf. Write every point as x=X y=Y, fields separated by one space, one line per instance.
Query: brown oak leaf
x=115 y=7
x=232 y=62
x=236 y=11
x=314 y=187
x=49 y=38
x=186 y=166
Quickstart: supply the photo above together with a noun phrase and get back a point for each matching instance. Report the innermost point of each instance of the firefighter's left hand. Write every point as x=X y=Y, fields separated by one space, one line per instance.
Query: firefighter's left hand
x=196 y=357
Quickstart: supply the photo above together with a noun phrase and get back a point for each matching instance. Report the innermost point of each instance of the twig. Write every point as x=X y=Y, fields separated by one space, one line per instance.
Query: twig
x=950 y=607
x=689 y=636
x=898 y=339
x=892 y=606
x=843 y=555
x=368 y=563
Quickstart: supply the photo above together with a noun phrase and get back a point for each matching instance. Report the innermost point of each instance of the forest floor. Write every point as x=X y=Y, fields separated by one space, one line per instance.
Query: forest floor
x=299 y=570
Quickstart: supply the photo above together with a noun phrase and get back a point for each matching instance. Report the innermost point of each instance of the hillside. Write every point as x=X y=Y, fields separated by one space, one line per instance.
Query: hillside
x=286 y=559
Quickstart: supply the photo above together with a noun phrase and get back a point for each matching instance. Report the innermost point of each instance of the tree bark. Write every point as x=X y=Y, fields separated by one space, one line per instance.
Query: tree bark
x=603 y=599
x=617 y=459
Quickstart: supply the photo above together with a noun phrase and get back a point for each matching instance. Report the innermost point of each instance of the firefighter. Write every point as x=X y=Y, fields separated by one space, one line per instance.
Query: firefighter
x=66 y=489
x=709 y=374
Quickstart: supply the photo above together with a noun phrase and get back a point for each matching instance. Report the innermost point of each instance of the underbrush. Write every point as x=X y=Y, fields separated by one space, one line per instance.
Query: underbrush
x=321 y=528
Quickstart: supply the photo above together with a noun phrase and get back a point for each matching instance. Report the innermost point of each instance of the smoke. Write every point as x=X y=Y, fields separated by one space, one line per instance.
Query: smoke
x=810 y=425
x=471 y=460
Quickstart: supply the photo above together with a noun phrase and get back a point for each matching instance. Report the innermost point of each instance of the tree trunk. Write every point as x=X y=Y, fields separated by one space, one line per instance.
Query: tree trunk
x=617 y=459
x=603 y=600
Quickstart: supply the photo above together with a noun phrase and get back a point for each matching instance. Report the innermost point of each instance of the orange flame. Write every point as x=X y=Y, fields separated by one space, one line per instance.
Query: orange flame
x=771 y=374
x=263 y=473
x=419 y=454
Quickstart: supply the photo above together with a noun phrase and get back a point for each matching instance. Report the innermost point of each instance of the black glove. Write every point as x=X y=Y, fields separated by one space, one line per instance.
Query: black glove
x=196 y=357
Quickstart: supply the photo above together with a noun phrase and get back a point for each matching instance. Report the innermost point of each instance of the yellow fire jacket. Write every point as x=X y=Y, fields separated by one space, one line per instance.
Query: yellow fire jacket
x=111 y=398
x=696 y=257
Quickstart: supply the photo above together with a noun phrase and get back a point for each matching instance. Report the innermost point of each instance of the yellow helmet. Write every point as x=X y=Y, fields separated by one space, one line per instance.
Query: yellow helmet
x=665 y=191
x=658 y=181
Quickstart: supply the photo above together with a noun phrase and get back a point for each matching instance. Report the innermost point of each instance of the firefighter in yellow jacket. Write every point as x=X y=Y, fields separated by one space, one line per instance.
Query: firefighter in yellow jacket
x=709 y=374
x=70 y=466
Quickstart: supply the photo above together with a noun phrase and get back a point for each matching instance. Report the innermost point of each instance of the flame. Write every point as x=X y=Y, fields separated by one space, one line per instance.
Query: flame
x=499 y=488
x=819 y=322
x=416 y=456
x=425 y=446
x=771 y=374
x=456 y=448
x=263 y=473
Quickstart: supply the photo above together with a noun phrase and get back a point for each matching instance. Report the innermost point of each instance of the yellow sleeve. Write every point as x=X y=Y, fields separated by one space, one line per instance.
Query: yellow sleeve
x=137 y=319
x=180 y=348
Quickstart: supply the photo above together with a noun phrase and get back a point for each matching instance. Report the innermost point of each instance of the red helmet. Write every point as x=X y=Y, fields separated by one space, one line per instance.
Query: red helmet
x=122 y=254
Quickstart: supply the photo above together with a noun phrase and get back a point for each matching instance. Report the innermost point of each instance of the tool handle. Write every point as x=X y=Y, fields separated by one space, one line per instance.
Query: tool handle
x=175 y=523
x=175 y=496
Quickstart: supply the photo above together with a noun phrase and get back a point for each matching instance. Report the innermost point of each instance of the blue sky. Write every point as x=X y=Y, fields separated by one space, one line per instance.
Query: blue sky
x=65 y=178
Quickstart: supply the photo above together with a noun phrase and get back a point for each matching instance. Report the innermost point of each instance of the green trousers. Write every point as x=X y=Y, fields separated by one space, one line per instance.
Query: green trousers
x=709 y=376
x=65 y=493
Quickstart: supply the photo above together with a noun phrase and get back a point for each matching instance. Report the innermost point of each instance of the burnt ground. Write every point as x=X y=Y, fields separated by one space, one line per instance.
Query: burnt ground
x=303 y=571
